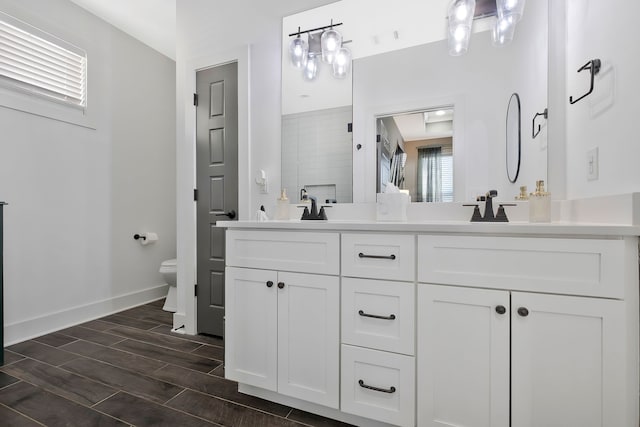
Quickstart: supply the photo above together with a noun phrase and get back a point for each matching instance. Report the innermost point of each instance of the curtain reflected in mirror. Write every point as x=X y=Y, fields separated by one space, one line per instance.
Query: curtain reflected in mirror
x=415 y=153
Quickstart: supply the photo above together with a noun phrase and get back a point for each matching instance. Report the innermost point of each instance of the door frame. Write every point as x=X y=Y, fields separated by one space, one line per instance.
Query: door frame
x=185 y=317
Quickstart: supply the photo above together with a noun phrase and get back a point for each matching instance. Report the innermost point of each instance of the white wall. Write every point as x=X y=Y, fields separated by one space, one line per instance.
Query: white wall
x=608 y=118
x=77 y=194
x=208 y=32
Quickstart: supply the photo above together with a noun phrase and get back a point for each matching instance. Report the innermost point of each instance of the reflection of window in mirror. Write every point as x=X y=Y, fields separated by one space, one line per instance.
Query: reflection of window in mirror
x=415 y=153
x=435 y=174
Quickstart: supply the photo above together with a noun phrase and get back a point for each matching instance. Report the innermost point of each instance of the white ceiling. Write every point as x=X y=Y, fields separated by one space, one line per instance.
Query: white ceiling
x=415 y=127
x=153 y=22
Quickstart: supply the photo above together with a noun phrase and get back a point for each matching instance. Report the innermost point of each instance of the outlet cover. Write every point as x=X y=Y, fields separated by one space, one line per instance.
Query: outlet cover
x=592 y=164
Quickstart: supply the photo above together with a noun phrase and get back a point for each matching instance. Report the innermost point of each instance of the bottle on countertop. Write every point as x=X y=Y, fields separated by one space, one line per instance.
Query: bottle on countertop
x=282 y=208
x=523 y=193
x=540 y=204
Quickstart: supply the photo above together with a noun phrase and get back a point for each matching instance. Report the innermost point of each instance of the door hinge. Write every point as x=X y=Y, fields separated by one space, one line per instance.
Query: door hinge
x=195 y=290
x=195 y=194
x=349 y=127
x=195 y=99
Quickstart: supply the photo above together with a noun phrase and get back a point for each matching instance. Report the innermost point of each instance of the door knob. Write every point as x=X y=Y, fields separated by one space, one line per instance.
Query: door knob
x=231 y=214
x=280 y=285
x=522 y=311
x=269 y=284
x=500 y=309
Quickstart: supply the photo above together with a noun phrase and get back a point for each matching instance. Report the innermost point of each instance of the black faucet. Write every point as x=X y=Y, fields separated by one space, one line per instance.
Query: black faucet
x=489 y=215
x=314 y=214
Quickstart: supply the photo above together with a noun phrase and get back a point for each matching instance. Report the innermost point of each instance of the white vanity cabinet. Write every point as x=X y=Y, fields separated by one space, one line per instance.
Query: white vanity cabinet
x=378 y=327
x=282 y=327
x=437 y=325
x=561 y=360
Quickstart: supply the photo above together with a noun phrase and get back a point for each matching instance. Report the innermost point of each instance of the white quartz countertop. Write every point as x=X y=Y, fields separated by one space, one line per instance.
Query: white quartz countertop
x=510 y=228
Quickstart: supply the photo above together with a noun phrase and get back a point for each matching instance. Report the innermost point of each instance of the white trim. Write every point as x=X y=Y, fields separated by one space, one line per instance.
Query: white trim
x=51 y=322
x=185 y=156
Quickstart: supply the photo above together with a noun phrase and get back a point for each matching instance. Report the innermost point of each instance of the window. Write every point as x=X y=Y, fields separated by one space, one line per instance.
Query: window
x=39 y=63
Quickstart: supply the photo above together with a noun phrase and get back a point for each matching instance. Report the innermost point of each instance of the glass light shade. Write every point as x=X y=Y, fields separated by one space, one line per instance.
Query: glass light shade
x=331 y=41
x=298 y=50
x=515 y=8
x=503 y=30
x=310 y=71
x=460 y=20
x=461 y=12
x=459 y=40
x=342 y=63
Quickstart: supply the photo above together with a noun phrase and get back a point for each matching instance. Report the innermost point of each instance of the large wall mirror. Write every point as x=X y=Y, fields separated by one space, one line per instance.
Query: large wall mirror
x=416 y=77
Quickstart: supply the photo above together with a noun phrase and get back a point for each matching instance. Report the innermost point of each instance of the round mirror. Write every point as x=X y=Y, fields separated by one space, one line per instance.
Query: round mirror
x=513 y=138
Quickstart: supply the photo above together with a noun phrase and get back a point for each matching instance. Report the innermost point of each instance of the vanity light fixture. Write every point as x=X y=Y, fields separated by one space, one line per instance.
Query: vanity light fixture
x=462 y=12
x=460 y=19
x=509 y=12
x=331 y=42
x=342 y=63
x=298 y=50
x=513 y=8
x=323 y=43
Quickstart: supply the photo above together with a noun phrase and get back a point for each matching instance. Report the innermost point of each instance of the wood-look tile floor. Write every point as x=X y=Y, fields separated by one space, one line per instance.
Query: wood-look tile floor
x=129 y=369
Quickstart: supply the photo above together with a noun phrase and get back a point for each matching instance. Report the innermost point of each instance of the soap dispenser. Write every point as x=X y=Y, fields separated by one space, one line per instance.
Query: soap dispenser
x=282 y=208
x=540 y=204
x=523 y=193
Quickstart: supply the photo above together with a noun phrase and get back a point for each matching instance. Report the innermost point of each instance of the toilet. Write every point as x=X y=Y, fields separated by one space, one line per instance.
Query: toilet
x=168 y=270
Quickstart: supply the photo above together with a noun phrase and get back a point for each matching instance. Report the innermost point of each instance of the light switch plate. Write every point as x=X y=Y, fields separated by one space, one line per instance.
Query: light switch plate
x=592 y=164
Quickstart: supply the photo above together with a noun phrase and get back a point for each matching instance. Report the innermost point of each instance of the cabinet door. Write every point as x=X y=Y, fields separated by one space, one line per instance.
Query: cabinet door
x=251 y=327
x=308 y=337
x=568 y=362
x=463 y=357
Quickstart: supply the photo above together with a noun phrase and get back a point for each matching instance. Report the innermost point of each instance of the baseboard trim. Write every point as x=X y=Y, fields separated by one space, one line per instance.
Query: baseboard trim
x=51 y=322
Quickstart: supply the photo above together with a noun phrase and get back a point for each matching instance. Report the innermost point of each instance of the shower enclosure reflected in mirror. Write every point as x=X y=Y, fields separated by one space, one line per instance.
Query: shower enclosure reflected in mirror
x=316 y=154
x=415 y=153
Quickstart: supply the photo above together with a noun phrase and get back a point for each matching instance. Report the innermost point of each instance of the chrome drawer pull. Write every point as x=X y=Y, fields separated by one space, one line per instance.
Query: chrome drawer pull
x=392 y=256
x=390 y=390
x=375 y=316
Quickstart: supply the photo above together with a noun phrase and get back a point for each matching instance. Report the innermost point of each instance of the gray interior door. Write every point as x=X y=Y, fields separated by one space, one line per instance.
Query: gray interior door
x=217 y=182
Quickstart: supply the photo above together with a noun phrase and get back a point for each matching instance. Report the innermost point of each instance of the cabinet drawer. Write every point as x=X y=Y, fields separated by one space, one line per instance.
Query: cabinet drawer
x=587 y=267
x=379 y=256
x=378 y=314
x=286 y=251
x=378 y=385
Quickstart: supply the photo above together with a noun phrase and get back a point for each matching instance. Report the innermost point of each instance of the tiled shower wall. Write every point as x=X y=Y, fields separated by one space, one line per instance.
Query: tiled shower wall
x=317 y=151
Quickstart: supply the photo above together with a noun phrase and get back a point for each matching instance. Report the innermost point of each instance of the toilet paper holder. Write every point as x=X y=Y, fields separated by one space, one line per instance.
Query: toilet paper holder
x=139 y=236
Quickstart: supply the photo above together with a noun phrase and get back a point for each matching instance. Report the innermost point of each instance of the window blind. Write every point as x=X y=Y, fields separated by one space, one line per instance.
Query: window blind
x=42 y=64
x=447 y=176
